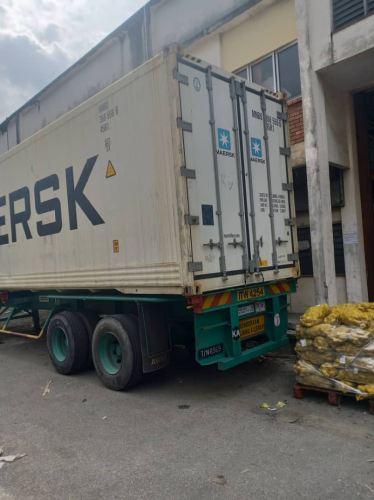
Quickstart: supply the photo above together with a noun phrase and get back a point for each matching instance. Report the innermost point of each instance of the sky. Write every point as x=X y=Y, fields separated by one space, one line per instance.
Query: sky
x=39 y=39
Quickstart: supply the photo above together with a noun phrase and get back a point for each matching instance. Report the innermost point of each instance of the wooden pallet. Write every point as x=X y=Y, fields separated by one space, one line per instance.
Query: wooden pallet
x=333 y=396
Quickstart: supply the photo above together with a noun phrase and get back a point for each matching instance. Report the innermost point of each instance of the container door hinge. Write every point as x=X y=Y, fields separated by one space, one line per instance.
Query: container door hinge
x=287 y=186
x=186 y=126
x=282 y=116
x=293 y=257
x=252 y=266
x=290 y=222
x=285 y=151
x=239 y=90
x=195 y=267
x=192 y=220
x=189 y=173
x=179 y=77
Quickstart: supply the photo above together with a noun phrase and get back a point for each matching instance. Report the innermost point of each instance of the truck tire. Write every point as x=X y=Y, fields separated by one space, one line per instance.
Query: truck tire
x=68 y=343
x=116 y=352
x=90 y=320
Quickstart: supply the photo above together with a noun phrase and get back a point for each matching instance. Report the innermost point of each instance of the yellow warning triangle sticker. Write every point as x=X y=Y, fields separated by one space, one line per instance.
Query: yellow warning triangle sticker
x=110 y=170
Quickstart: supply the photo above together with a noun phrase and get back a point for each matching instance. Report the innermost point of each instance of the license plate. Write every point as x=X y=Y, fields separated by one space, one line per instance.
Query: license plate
x=250 y=327
x=212 y=350
x=251 y=293
x=244 y=310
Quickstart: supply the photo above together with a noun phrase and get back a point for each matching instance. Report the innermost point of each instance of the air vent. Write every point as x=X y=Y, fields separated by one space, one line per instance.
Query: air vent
x=347 y=11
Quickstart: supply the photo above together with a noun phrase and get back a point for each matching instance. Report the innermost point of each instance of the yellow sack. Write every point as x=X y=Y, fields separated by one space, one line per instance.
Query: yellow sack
x=314 y=315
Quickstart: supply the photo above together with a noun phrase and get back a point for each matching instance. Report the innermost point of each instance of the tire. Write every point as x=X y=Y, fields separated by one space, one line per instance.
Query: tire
x=90 y=320
x=68 y=343
x=116 y=352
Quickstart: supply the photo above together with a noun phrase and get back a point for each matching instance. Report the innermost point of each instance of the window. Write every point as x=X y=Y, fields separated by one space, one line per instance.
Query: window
x=262 y=73
x=301 y=188
x=346 y=12
x=305 y=252
x=289 y=72
x=277 y=71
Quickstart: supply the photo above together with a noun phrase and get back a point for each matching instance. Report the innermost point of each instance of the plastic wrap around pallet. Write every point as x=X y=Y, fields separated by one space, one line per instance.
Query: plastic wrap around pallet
x=336 y=348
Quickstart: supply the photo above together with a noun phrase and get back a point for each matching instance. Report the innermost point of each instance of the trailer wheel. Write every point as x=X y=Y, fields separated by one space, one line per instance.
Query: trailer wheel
x=90 y=320
x=116 y=352
x=68 y=343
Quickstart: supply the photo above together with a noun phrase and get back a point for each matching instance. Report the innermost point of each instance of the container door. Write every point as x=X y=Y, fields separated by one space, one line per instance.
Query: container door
x=268 y=186
x=214 y=171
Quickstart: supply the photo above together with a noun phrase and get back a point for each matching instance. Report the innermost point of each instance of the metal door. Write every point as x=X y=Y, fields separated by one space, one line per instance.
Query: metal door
x=214 y=172
x=267 y=182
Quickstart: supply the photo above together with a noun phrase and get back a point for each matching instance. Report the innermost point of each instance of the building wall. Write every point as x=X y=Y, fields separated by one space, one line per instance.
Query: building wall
x=337 y=64
x=258 y=35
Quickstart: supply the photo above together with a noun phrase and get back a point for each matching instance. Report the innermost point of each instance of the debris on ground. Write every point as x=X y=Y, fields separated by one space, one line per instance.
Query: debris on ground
x=219 y=479
x=183 y=407
x=9 y=458
x=278 y=406
x=47 y=388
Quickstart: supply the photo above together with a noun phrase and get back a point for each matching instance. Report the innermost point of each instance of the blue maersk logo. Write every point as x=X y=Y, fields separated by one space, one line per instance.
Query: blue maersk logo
x=224 y=139
x=256 y=147
x=224 y=142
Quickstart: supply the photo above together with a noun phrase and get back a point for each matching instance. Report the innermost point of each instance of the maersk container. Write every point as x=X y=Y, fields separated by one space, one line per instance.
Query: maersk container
x=160 y=208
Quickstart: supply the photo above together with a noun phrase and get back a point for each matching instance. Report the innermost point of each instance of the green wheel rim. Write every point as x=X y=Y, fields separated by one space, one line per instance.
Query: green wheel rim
x=110 y=353
x=60 y=344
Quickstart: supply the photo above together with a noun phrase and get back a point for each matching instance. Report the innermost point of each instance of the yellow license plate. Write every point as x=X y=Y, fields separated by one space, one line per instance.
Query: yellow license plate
x=250 y=327
x=250 y=293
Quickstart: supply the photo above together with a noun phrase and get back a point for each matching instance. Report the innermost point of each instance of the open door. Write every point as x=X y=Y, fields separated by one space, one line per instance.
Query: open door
x=364 y=110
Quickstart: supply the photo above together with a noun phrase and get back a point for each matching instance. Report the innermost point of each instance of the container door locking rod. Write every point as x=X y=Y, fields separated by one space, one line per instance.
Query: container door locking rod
x=212 y=123
x=240 y=179
x=270 y=190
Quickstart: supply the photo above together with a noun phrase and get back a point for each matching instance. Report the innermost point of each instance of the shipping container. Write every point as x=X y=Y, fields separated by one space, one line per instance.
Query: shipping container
x=160 y=208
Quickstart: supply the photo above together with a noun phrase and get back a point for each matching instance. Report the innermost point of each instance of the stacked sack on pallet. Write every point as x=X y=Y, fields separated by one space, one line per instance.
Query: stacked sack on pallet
x=335 y=348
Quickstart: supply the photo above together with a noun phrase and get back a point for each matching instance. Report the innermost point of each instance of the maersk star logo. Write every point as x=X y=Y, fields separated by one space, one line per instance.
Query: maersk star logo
x=256 y=147
x=224 y=140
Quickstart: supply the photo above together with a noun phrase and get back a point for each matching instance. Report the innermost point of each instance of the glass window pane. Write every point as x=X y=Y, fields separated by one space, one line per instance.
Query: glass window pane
x=262 y=73
x=242 y=72
x=289 y=71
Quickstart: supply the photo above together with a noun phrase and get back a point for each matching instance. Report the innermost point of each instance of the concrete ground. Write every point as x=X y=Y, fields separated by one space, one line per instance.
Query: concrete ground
x=186 y=433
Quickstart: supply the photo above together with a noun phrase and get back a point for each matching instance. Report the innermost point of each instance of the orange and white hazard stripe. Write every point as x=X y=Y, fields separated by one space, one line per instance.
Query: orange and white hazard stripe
x=279 y=288
x=219 y=299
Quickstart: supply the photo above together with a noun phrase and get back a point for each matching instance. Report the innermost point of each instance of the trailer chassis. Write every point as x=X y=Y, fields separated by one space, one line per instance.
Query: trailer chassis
x=226 y=328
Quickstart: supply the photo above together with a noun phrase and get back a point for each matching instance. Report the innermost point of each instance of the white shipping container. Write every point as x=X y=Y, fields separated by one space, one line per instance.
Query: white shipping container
x=162 y=183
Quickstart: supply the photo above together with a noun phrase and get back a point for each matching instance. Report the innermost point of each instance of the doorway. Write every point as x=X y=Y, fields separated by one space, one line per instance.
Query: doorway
x=364 y=111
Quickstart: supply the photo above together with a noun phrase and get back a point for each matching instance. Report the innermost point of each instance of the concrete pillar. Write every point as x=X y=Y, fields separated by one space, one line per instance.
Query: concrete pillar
x=354 y=254
x=317 y=165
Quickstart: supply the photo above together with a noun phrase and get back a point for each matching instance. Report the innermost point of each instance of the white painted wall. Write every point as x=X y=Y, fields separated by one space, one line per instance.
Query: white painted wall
x=338 y=64
x=208 y=49
x=305 y=295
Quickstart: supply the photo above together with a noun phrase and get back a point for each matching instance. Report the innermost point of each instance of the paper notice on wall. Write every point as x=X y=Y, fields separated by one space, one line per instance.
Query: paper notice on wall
x=350 y=238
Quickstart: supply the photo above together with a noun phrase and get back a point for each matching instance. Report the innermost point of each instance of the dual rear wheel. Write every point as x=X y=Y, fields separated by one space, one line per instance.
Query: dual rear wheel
x=77 y=340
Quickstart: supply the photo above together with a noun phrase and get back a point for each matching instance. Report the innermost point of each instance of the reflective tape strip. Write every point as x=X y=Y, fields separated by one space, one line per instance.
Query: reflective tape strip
x=279 y=288
x=220 y=299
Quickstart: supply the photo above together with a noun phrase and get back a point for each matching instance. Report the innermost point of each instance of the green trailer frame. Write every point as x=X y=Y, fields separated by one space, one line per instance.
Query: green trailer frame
x=227 y=328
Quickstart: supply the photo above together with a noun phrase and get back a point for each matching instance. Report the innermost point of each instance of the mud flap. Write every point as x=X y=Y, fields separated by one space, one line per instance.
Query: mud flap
x=154 y=336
